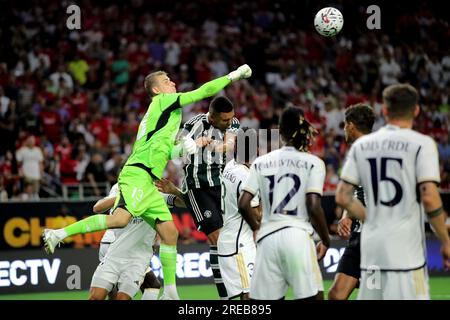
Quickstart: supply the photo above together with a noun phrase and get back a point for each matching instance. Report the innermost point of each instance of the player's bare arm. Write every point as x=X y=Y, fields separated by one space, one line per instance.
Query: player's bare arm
x=250 y=214
x=345 y=199
x=344 y=226
x=429 y=195
x=227 y=144
x=104 y=204
x=319 y=223
x=203 y=141
x=166 y=186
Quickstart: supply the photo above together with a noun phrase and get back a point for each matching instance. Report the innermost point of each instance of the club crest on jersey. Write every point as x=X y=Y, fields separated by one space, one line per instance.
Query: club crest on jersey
x=207 y=214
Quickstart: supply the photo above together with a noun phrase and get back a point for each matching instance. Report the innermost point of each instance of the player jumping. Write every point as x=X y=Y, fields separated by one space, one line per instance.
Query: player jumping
x=138 y=197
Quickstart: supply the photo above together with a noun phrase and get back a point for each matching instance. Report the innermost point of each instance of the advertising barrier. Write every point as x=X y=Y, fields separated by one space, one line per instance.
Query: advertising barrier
x=23 y=271
x=22 y=222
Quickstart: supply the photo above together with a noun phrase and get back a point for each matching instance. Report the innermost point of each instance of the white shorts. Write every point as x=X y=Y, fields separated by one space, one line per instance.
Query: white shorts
x=394 y=285
x=128 y=275
x=102 y=251
x=237 y=270
x=286 y=258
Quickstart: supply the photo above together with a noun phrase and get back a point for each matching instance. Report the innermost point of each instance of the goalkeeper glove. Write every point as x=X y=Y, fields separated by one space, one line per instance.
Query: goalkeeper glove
x=189 y=146
x=242 y=72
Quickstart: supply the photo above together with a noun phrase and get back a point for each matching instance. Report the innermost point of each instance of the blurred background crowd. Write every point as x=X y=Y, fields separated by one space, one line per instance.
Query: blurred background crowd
x=71 y=100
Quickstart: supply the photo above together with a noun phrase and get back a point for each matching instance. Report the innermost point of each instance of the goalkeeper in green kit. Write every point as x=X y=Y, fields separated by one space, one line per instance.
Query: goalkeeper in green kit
x=154 y=146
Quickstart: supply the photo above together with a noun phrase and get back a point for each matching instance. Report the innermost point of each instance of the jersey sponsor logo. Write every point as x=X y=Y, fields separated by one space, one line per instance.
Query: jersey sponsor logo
x=207 y=214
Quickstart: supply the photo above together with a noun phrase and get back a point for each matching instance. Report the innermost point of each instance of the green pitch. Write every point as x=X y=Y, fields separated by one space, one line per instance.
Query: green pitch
x=439 y=289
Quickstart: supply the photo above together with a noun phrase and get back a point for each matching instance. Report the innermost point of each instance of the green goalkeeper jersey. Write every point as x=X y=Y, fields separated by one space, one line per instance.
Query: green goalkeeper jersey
x=160 y=125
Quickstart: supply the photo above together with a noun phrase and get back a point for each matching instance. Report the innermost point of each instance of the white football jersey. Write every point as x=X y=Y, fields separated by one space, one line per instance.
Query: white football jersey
x=283 y=178
x=134 y=241
x=110 y=235
x=389 y=164
x=235 y=232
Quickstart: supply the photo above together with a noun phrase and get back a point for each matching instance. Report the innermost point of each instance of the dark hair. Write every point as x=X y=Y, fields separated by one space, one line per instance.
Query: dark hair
x=150 y=82
x=400 y=100
x=362 y=116
x=295 y=129
x=220 y=104
x=246 y=145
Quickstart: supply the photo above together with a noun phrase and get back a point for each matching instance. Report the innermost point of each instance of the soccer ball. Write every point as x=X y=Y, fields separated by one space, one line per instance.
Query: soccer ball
x=328 y=21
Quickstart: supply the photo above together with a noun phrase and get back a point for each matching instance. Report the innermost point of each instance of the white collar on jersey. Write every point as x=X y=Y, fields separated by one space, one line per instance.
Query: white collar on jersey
x=391 y=127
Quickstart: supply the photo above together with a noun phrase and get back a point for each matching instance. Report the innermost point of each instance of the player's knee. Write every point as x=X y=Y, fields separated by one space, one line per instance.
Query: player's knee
x=336 y=294
x=171 y=235
x=122 y=296
x=96 y=295
x=168 y=232
x=118 y=219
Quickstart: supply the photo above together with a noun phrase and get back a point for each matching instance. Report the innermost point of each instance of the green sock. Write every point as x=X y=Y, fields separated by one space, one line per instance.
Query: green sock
x=168 y=258
x=90 y=224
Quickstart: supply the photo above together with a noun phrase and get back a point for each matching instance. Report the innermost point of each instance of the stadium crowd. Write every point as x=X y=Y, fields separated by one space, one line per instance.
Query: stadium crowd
x=71 y=100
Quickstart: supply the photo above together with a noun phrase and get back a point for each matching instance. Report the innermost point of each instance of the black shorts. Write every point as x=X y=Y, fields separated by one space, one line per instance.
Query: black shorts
x=205 y=207
x=349 y=263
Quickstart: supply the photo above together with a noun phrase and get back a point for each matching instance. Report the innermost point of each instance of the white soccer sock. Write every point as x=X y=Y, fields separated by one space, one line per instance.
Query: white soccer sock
x=61 y=234
x=171 y=290
x=150 y=294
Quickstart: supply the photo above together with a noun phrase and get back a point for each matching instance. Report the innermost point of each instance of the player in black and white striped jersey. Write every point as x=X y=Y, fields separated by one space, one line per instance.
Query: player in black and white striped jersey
x=359 y=120
x=214 y=133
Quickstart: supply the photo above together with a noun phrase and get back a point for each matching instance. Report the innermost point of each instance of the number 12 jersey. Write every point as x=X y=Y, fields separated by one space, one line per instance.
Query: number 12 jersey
x=284 y=177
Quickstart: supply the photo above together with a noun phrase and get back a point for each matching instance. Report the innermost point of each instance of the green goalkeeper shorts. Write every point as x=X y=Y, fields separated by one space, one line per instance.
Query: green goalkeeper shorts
x=139 y=196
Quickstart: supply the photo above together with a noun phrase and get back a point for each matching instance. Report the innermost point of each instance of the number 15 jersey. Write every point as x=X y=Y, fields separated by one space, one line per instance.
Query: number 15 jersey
x=389 y=164
x=284 y=177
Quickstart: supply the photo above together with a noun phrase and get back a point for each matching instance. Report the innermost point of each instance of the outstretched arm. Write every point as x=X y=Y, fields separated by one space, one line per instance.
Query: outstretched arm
x=213 y=87
x=207 y=90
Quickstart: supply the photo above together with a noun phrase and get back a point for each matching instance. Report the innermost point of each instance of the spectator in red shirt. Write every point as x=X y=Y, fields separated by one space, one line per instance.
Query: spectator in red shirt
x=50 y=122
x=79 y=102
x=100 y=128
x=64 y=149
x=187 y=230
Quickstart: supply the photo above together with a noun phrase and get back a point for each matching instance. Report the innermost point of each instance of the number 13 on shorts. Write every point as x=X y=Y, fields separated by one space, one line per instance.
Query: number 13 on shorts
x=137 y=195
